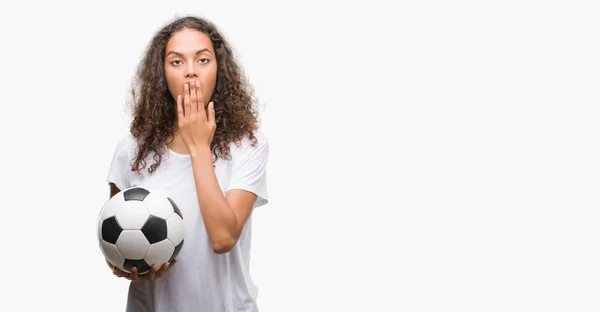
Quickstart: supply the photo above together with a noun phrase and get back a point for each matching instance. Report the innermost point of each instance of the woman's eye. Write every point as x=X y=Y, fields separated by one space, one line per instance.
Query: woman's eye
x=176 y=62
x=203 y=60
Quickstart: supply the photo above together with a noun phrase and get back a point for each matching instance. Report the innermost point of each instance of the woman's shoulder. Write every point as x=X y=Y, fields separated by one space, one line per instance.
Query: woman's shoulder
x=126 y=143
x=260 y=142
x=260 y=139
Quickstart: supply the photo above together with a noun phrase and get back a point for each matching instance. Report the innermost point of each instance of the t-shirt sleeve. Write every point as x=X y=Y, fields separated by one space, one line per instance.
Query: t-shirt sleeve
x=249 y=171
x=119 y=169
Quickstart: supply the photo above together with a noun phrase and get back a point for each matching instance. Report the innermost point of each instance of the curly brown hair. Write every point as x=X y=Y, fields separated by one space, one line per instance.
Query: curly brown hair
x=154 y=109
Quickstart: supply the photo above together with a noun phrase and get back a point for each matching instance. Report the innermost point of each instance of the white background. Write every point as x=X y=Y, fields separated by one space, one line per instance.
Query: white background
x=432 y=156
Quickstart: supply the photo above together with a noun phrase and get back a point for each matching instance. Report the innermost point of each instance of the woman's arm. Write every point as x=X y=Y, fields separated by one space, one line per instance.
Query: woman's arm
x=224 y=216
x=113 y=190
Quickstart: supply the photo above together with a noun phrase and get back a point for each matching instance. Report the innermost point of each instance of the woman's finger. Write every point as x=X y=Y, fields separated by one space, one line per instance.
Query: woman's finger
x=193 y=100
x=134 y=275
x=211 y=114
x=186 y=100
x=180 y=109
x=171 y=264
x=152 y=273
x=200 y=102
x=162 y=270
x=118 y=272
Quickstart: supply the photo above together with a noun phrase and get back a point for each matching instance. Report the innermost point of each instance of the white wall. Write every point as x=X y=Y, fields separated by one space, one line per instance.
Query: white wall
x=425 y=157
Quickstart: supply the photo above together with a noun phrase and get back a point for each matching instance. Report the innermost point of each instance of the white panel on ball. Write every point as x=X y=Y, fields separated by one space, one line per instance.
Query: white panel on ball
x=158 y=205
x=133 y=215
x=159 y=253
x=112 y=254
x=111 y=207
x=133 y=244
x=175 y=229
x=99 y=230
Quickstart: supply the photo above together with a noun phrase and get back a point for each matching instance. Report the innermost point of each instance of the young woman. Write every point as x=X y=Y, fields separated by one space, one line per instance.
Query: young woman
x=194 y=137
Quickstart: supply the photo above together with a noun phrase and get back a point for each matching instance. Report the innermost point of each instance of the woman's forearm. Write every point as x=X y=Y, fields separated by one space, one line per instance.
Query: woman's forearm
x=219 y=218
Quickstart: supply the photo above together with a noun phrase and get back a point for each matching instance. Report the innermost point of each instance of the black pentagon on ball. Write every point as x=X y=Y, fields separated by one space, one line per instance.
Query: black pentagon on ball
x=111 y=230
x=135 y=193
x=176 y=251
x=175 y=208
x=155 y=229
x=141 y=265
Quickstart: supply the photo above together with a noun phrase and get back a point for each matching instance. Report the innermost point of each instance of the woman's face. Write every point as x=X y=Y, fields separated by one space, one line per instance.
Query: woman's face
x=190 y=56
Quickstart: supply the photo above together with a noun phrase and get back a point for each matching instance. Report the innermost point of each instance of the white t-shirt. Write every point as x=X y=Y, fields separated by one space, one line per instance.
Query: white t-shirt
x=201 y=280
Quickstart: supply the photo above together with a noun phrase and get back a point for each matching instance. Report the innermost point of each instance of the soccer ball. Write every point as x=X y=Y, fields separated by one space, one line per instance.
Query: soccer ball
x=139 y=228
